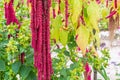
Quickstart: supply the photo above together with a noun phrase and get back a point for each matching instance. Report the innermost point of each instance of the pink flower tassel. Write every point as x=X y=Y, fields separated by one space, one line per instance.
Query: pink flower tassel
x=87 y=71
x=111 y=14
x=98 y=1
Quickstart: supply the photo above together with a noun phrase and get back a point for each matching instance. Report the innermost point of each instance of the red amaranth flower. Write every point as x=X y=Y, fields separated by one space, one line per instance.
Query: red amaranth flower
x=98 y=1
x=40 y=27
x=88 y=71
x=111 y=14
x=87 y=50
x=10 y=13
x=11 y=18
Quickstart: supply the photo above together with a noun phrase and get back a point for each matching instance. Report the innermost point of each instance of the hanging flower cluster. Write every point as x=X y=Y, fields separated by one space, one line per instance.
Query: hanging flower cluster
x=40 y=19
x=11 y=18
x=10 y=13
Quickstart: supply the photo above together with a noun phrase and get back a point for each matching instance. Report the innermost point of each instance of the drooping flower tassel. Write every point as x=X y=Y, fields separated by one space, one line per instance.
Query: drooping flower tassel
x=11 y=18
x=10 y=13
x=98 y=1
x=87 y=72
x=40 y=24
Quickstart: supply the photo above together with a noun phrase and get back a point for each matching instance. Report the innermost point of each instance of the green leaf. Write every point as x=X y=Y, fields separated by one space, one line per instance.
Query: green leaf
x=63 y=36
x=22 y=49
x=2 y=65
x=55 y=34
x=57 y=22
x=16 y=66
x=6 y=77
x=7 y=1
x=53 y=4
x=16 y=3
x=97 y=39
x=96 y=13
x=93 y=16
x=24 y=71
x=31 y=76
x=62 y=6
x=103 y=73
x=74 y=65
x=68 y=78
x=105 y=12
x=83 y=38
x=61 y=78
x=67 y=53
x=29 y=59
x=76 y=10
x=63 y=72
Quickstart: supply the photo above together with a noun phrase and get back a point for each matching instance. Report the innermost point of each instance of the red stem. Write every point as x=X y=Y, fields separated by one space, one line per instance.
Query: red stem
x=54 y=14
x=115 y=3
x=106 y=3
x=59 y=1
x=23 y=58
x=66 y=13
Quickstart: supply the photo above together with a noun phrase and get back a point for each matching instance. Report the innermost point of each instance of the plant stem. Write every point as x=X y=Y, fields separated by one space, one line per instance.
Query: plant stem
x=95 y=74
